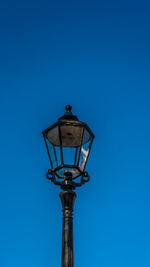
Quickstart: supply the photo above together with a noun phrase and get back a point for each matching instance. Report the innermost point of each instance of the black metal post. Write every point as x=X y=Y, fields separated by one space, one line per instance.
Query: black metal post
x=67 y=198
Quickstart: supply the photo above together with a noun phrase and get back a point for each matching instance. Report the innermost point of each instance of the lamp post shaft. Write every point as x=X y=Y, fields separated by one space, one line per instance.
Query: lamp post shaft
x=67 y=198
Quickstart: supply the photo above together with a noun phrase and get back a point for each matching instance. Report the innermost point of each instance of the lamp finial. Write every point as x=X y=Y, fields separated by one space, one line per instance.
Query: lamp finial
x=68 y=108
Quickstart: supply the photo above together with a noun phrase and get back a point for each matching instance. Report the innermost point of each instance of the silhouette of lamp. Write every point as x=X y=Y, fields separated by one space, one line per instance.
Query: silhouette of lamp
x=68 y=144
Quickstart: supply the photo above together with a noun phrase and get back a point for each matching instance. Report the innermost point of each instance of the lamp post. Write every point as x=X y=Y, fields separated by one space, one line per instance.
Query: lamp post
x=68 y=144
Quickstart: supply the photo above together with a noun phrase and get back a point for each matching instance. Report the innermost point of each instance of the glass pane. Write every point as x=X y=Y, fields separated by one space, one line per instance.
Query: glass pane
x=53 y=144
x=74 y=172
x=85 y=149
x=71 y=135
x=58 y=154
x=68 y=155
x=52 y=154
x=76 y=156
x=53 y=136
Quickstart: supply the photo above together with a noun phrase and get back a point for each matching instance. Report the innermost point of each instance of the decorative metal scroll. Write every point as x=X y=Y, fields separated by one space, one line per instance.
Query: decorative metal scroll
x=67 y=182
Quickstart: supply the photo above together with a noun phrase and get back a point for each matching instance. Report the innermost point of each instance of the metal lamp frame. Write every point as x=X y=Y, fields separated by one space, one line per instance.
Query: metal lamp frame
x=53 y=172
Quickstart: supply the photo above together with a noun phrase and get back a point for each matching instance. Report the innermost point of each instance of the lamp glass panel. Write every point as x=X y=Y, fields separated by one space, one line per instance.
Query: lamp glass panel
x=69 y=155
x=53 y=136
x=53 y=143
x=76 y=156
x=52 y=154
x=85 y=149
x=71 y=136
x=58 y=155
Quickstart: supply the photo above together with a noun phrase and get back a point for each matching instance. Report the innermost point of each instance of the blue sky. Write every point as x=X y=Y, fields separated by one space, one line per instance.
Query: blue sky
x=94 y=55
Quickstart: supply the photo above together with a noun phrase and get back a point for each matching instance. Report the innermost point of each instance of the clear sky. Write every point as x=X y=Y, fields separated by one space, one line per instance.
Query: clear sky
x=94 y=55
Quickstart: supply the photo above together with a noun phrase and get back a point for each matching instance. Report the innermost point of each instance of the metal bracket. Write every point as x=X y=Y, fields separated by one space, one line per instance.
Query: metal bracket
x=84 y=179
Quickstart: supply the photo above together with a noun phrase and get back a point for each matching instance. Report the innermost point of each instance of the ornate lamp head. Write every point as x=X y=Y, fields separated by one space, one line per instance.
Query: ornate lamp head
x=68 y=144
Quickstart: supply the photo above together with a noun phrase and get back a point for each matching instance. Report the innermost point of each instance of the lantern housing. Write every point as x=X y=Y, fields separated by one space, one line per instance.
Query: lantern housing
x=68 y=144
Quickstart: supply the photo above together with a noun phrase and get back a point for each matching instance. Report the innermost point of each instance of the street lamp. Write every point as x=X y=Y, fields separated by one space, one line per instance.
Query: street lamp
x=68 y=144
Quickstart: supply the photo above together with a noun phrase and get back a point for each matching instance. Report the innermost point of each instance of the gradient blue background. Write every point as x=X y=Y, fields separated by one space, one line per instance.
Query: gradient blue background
x=94 y=55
